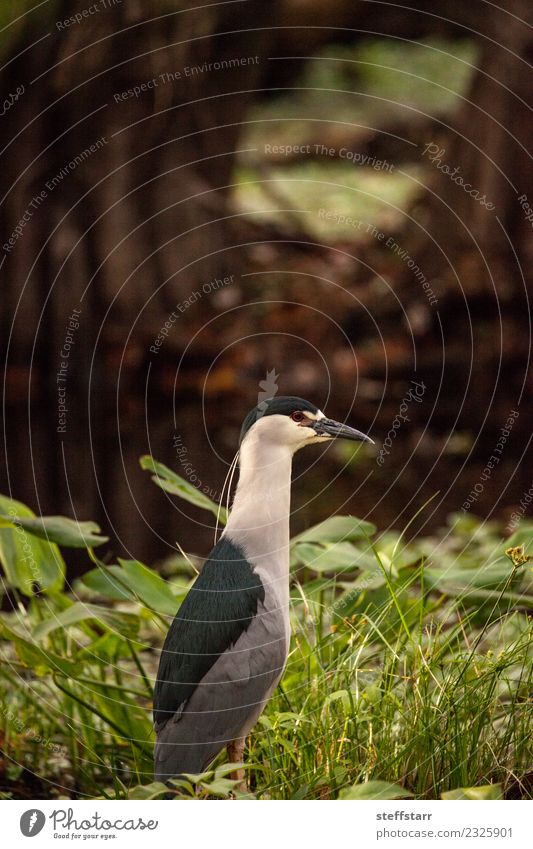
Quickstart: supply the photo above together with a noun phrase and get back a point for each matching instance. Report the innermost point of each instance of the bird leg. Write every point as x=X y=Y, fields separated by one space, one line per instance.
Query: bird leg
x=236 y=755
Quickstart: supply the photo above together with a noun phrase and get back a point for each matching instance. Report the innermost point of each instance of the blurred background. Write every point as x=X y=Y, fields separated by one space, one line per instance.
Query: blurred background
x=201 y=204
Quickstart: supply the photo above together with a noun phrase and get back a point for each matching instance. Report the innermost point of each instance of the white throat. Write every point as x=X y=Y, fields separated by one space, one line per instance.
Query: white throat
x=259 y=519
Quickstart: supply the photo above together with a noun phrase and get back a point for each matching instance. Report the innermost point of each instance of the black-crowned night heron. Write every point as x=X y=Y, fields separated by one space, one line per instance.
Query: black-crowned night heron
x=227 y=647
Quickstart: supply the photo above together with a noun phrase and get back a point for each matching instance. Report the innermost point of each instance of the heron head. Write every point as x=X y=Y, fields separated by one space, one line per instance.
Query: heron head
x=294 y=422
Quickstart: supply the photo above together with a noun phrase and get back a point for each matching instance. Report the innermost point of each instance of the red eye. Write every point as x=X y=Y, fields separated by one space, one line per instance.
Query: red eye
x=297 y=417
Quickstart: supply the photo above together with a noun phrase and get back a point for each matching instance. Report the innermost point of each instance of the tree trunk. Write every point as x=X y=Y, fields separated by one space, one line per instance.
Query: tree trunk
x=114 y=181
x=472 y=242
x=482 y=226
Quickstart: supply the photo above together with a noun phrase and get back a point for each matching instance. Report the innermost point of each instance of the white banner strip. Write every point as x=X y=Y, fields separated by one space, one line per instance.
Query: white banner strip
x=232 y=824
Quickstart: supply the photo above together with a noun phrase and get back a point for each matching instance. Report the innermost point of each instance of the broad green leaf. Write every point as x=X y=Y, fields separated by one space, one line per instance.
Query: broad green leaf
x=220 y=787
x=492 y=575
x=367 y=588
x=523 y=598
x=108 y=581
x=225 y=769
x=405 y=554
x=27 y=560
x=374 y=790
x=6 y=523
x=484 y=792
x=463 y=523
x=522 y=536
x=135 y=582
x=337 y=529
x=61 y=530
x=337 y=557
x=150 y=587
x=168 y=480
x=342 y=696
x=126 y=624
x=42 y=662
x=148 y=791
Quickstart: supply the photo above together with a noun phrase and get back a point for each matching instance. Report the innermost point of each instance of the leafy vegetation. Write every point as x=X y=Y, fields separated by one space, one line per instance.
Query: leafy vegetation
x=410 y=672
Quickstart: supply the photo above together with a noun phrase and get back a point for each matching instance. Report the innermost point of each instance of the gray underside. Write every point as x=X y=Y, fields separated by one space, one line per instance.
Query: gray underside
x=227 y=702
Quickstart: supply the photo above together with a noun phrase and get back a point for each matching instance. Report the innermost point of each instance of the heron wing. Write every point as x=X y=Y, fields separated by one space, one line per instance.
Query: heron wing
x=227 y=702
x=217 y=610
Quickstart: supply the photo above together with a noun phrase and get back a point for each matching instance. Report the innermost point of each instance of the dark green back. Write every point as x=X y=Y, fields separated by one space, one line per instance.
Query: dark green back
x=218 y=608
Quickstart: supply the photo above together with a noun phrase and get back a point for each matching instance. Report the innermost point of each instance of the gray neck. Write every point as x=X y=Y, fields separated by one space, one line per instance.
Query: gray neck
x=259 y=519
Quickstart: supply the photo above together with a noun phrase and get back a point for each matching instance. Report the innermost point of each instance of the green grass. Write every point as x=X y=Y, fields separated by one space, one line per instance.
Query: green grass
x=409 y=673
x=372 y=703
